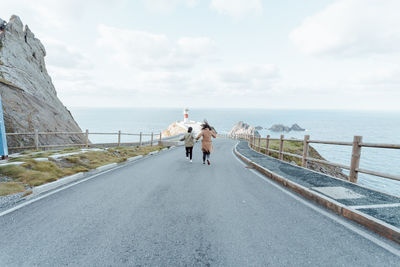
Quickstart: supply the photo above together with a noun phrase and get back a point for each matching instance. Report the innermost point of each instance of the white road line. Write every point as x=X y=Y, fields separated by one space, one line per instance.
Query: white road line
x=61 y=189
x=337 y=219
x=376 y=206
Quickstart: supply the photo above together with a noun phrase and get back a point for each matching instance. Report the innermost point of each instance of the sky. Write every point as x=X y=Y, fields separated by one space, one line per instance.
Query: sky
x=289 y=54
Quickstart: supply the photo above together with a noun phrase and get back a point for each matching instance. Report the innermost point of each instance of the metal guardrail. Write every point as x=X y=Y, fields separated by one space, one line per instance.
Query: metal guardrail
x=354 y=168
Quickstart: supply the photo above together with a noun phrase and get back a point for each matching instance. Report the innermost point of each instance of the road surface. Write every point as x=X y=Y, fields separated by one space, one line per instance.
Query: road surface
x=166 y=211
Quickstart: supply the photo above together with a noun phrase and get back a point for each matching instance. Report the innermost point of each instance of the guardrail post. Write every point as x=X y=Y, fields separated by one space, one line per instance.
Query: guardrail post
x=267 y=145
x=36 y=139
x=159 y=140
x=87 y=138
x=119 y=138
x=305 y=151
x=281 y=147
x=151 y=143
x=355 y=159
x=259 y=144
x=140 y=139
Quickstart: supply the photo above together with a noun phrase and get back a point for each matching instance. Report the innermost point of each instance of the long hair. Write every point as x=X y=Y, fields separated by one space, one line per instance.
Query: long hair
x=205 y=125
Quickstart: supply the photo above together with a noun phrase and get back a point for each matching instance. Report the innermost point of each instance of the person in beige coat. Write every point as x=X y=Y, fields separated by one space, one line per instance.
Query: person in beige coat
x=207 y=132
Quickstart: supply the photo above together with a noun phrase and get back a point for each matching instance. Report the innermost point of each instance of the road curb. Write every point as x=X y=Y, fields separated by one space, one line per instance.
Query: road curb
x=380 y=227
x=37 y=190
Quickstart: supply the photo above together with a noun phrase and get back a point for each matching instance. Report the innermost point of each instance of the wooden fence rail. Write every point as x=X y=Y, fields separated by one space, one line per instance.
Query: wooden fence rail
x=35 y=134
x=354 y=168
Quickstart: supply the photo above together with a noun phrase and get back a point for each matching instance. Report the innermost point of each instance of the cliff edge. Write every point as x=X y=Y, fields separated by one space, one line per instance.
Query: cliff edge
x=29 y=98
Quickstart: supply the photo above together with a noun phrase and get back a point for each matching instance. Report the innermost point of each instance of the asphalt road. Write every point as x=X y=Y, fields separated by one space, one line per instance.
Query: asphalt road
x=165 y=211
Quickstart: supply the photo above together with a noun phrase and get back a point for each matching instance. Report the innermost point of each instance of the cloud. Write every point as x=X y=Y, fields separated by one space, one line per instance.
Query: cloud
x=351 y=28
x=168 y=5
x=149 y=51
x=64 y=56
x=237 y=8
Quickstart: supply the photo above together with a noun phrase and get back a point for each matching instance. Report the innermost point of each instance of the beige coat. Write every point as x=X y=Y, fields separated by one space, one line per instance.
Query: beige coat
x=206 y=143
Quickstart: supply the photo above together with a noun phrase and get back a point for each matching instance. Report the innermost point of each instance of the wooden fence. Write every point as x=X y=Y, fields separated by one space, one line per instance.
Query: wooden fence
x=36 y=144
x=354 y=168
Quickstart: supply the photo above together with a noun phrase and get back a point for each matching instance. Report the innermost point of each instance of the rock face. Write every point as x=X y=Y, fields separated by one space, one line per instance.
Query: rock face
x=173 y=129
x=29 y=98
x=326 y=169
x=283 y=128
x=279 y=128
x=258 y=128
x=296 y=127
x=243 y=128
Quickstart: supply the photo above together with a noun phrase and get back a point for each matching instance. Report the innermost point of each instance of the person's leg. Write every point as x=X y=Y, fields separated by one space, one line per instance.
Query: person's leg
x=190 y=152
x=187 y=152
x=204 y=157
x=208 y=158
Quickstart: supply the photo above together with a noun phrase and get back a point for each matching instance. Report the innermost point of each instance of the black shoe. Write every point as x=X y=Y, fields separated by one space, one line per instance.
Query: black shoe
x=208 y=162
x=204 y=162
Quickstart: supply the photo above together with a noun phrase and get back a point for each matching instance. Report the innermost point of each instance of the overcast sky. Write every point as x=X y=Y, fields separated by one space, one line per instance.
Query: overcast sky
x=311 y=54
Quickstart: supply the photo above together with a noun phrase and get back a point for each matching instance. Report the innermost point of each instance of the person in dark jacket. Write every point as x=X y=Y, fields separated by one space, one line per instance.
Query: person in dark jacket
x=189 y=143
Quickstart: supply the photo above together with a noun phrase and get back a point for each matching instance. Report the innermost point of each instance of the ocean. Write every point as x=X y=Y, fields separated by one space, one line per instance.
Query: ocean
x=373 y=126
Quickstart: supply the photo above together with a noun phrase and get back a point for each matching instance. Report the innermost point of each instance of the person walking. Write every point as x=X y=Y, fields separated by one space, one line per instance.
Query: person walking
x=206 y=143
x=189 y=143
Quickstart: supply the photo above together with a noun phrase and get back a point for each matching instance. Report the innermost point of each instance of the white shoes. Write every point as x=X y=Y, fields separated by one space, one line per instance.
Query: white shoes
x=187 y=157
x=191 y=161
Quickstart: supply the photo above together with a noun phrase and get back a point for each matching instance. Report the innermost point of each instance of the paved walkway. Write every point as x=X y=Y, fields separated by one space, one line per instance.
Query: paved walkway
x=166 y=211
x=376 y=204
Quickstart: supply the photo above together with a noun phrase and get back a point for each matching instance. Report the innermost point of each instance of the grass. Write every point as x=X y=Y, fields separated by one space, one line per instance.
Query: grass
x=11 y=188
x=292 y=147
x=34 y=173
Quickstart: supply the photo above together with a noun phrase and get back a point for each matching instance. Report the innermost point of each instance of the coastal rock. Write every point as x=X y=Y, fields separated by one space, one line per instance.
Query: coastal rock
x=296 y=127
x=258 y=128
x=174 y=129
x=326 y=169
x=279 y=128
x=29 y=98
x=283 y=128
x=243 y=128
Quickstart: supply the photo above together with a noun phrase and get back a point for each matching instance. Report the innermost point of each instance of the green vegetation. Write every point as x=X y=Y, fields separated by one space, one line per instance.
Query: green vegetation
x=11 y=188
x=34 y=173
x=292 y=147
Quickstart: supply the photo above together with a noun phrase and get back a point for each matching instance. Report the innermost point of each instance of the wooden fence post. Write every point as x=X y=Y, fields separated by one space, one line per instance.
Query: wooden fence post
x=87 y=138
x=267 y=145
x=305 y=151
x=259 y=144
x=355 y=159
x=119 y=138
x=36 y=139
x=151 y=143
x=159 y=140
x=140 y=139
x=281 y=147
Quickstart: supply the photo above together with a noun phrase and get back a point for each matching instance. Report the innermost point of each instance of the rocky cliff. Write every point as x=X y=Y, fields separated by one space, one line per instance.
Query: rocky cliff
x=244 y=129
x=29 y=98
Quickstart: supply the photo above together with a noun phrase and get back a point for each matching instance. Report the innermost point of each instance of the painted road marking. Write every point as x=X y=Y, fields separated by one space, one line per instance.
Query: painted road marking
x=351 y=227
x=376 y=206
x=338 y=192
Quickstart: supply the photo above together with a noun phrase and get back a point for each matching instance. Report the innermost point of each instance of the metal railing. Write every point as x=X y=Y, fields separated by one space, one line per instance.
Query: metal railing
x=354 y=168
x=36 y=143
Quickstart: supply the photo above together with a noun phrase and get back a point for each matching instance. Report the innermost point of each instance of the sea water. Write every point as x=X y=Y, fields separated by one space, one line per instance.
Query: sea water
x=373 y=126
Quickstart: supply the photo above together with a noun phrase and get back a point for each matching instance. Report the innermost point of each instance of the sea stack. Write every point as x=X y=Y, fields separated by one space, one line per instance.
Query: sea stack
x=30 y=100
x=242 y=128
